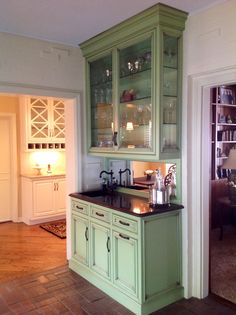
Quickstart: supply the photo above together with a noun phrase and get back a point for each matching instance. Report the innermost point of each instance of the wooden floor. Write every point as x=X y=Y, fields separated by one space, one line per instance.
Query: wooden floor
x=27 y=249
x=35 y=279
x=61 y=291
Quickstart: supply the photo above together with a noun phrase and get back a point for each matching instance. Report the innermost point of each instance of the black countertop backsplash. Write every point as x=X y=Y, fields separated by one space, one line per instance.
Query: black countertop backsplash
x=127 y=203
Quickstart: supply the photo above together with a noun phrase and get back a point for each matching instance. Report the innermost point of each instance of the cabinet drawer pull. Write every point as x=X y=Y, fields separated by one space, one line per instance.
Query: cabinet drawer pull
x=108 y=244
x=124 y=236
x=86 y=233
x=124 y=223
x=80 y=208
x=99 y=214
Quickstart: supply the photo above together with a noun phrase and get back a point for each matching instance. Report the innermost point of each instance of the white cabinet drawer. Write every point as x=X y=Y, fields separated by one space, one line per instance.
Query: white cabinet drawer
x=100 y=214
x=80 y=206
x=125 y=224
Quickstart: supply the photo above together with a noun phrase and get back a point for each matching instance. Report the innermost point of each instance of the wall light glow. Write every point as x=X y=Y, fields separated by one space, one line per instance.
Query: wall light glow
x=44 y=158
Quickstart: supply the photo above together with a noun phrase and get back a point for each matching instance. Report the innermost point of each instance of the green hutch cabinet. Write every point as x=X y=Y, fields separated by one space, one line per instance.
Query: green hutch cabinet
x=133 y=86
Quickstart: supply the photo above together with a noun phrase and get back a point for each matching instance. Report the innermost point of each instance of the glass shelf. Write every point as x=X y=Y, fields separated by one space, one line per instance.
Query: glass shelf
x=135 y=86
x=135 y=101
x=133 y=74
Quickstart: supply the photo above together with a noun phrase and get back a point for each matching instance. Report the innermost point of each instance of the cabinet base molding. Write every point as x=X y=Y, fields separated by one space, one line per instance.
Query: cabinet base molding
x=152 y=304
x=32 y=221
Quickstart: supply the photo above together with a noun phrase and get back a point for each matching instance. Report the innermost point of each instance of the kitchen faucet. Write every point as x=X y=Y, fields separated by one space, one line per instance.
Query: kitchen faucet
x=124 y=171
x=110 y=184
x=108 y=173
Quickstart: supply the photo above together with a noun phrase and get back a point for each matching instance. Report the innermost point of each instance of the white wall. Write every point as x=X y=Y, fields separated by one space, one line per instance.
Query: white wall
x=36 y=67
x=40 y=63
x=210 y=39
x=209 y=53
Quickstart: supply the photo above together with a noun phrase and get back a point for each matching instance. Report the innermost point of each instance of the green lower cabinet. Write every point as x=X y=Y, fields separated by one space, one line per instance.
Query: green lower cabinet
x=162 y=252
x=136 y=260
x=100 y=250
x=125 y=263
x=80 y=236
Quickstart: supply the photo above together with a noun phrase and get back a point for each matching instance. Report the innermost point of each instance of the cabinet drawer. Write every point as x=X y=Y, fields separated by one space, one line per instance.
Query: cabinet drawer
x=125 y=224
x=101 y=214
x=80 y=206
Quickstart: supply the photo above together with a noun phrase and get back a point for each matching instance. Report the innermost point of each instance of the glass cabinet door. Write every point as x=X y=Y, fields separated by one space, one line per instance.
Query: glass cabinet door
x=101 y=102
x=169 y=132
x=135 y=105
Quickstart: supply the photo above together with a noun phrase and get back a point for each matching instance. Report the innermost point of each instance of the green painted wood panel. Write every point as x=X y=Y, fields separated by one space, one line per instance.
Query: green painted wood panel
x=162 y=252
x=100 y=250
x=150 y=138
x=80 y=239
x=125 y=261
x=141 y=267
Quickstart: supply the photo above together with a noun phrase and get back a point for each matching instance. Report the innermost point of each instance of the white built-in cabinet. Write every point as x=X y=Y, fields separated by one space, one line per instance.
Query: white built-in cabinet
x=43 y=198
x=43 y=121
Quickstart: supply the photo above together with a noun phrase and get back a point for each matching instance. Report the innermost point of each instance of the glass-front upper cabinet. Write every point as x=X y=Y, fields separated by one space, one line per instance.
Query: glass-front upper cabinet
x=135 y=104
x=170 y=98
x=133 y=76
x=101 y=114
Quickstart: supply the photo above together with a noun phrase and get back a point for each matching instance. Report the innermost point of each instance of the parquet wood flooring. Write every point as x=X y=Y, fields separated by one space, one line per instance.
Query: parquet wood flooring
x=27 y=249
x=61 y=291
x=28 y=255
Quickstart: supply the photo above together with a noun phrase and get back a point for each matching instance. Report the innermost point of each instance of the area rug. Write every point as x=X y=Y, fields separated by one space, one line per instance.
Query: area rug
x=57 y=228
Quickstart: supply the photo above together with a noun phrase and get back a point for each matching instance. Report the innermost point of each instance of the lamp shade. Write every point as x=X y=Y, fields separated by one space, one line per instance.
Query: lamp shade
x=129 y=126
x=230 y=163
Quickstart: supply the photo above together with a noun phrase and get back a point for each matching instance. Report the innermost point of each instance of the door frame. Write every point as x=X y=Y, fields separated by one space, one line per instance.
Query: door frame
x=13 y=165
x=72 y=134
x=197 y=174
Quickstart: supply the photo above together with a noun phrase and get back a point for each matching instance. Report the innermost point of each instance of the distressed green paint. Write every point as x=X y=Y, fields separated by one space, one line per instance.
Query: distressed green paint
x=142 y=269
x=154 y=22
x=80 y=249
x=100 y=256
x=125 y=276
x=162 y=269
x=158 y=15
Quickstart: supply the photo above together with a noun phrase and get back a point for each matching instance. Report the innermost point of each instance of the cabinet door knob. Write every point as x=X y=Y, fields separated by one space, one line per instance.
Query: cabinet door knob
x=108 y=244
x=99 y=214
x=86 y=233
x=124 y=223
x=124 y=236
x=80 y=208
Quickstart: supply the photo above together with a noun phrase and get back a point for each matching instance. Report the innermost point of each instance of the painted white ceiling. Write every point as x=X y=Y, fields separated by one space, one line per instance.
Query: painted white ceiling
x=73 y=21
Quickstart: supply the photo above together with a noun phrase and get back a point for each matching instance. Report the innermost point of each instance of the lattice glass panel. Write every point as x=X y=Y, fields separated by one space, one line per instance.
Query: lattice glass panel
x=39 y=116
x=58 y=119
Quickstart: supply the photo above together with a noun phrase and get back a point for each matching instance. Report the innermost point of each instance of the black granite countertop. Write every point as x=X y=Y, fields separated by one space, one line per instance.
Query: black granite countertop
x=130 y=204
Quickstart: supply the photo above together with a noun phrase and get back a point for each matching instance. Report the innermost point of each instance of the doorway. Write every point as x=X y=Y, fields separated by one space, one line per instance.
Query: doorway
x=7 y=166
x=222 y=232
x=73 y=167
x=196 y=177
